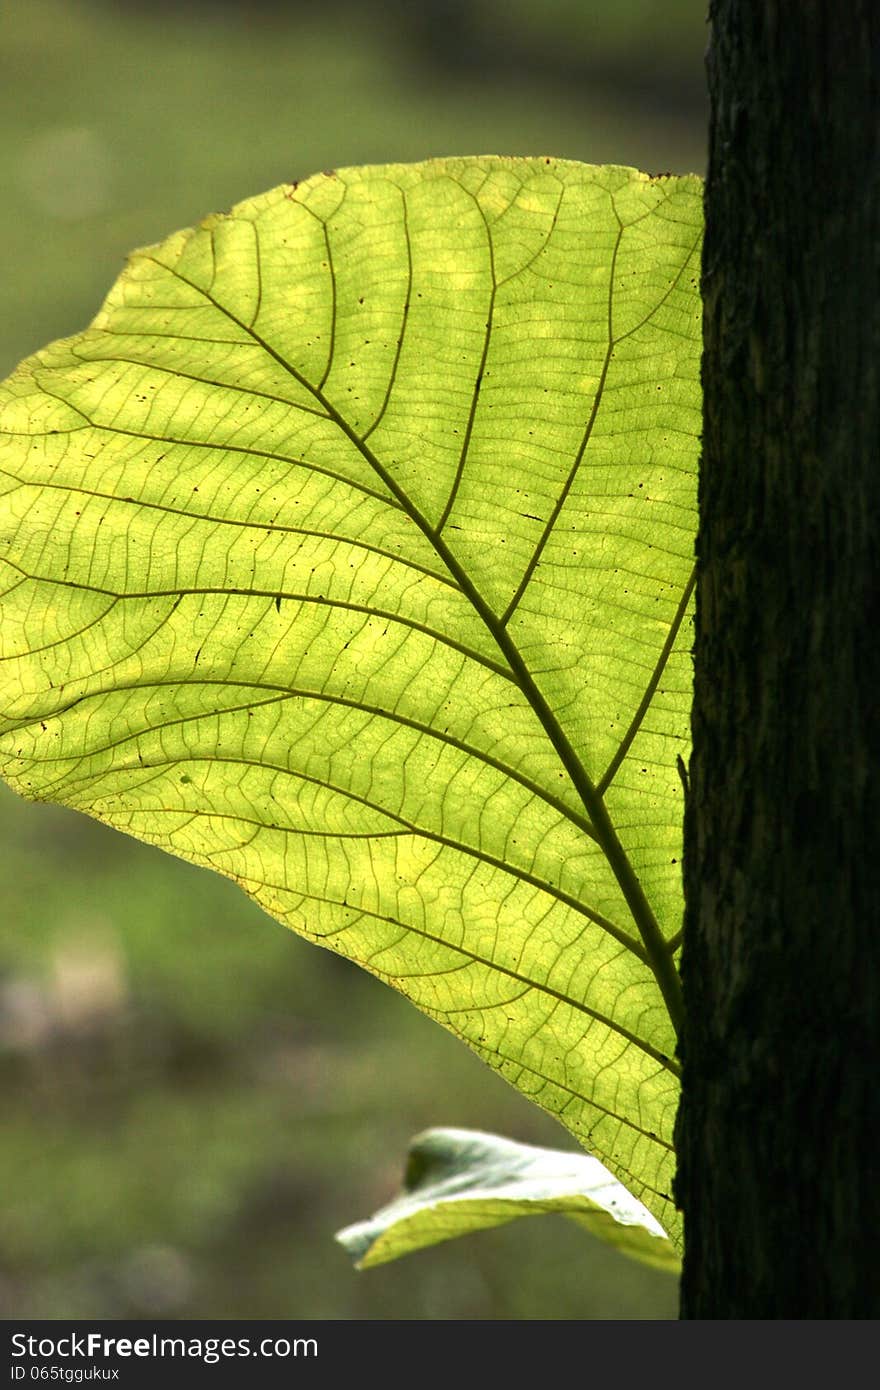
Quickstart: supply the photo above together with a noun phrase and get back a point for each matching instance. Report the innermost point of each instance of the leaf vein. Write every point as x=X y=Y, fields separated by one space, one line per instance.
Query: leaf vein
x=286 y=692
x=404 y=321
x=650 y=689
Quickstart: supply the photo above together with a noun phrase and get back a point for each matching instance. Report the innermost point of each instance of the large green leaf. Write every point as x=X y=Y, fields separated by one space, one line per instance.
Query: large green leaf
x=348 y=553
x=458 y=1181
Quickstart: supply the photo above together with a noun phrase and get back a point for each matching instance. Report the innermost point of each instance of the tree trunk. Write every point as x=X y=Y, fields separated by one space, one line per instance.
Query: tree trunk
x=779 y=1129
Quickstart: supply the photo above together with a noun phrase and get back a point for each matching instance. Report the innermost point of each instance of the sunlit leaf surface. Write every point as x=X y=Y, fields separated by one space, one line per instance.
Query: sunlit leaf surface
x=459 y=1181
x=349 y=553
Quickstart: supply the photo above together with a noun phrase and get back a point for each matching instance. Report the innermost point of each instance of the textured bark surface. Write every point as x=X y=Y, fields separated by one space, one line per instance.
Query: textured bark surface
x=779 y=1130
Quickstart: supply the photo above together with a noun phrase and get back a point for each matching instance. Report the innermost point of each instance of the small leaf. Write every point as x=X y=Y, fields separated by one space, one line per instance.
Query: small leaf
x=459 y=1181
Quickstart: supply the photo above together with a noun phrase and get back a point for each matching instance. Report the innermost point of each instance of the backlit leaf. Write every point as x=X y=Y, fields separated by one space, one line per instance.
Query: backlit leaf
x=349 y=553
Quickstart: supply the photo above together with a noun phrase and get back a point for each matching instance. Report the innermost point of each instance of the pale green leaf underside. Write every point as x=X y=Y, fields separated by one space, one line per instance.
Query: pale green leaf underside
x=459 y=1181
x=348 y=552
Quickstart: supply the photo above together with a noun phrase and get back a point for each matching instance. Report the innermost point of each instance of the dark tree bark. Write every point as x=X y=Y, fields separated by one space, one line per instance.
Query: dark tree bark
x=779 y=1129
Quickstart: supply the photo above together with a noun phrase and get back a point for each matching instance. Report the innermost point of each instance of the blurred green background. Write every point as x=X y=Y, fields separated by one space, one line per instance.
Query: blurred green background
x=194 y=1100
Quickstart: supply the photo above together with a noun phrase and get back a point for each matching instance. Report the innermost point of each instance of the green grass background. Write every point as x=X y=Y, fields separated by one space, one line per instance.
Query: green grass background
x=194 y=1100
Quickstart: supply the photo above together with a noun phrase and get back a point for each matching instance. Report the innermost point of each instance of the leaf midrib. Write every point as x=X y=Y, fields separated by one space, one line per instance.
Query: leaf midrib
x=658 y=956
